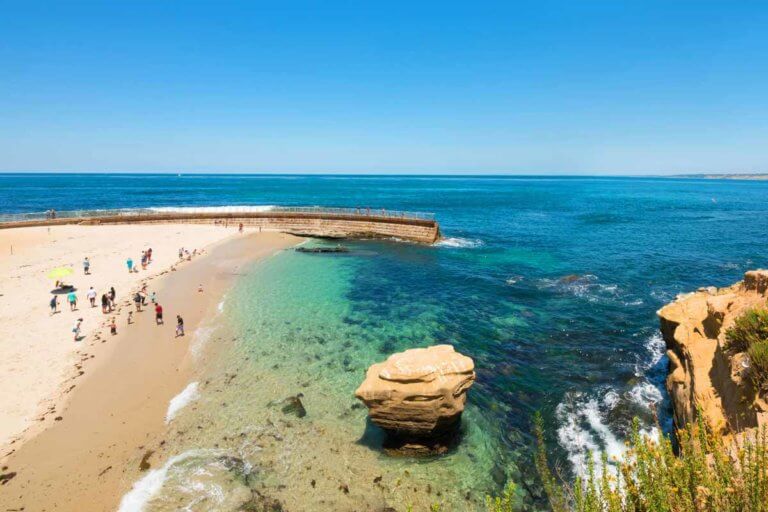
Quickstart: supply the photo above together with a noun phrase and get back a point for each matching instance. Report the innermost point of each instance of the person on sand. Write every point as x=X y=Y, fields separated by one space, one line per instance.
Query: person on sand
x=143 y=260
x=72 y=299
x=159 y=314
x=113 y=326
x=91 y=295
x=86 y=266
x=130 y=317
x=112 y=297
x=137 y=301
x=200 y=288
x=76 y=329
x=54 y=305
x=181 y=253
x=153 y=298
x=129 y=263
x=179 y=326
x=241 y=227
x=105 y=303
x=149 y=255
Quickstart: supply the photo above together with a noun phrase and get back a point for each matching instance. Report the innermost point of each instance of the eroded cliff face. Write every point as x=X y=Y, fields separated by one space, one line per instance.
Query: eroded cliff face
x=702 y=375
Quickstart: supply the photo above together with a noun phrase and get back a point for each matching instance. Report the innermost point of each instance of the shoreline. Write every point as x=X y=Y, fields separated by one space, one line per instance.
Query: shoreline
x=121 y=403
x=31 y=398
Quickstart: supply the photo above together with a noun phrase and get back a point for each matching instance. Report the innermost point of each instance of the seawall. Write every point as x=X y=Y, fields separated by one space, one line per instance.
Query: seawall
x=320 y=223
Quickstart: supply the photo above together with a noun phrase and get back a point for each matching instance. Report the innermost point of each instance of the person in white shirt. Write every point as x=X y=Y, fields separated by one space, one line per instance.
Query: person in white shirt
x=91 y=296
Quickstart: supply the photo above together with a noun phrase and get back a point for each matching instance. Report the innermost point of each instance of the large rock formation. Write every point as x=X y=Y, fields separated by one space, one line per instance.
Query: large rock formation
x=702 y=374
x=417 y=397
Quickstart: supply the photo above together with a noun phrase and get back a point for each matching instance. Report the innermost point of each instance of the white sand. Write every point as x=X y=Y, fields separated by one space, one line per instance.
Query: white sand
x=37 y=351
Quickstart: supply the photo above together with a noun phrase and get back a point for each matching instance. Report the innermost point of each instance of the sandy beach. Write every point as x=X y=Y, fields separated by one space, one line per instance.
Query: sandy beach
x=82 y=409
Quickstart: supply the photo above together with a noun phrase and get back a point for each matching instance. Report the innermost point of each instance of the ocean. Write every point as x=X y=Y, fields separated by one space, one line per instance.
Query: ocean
x=550 y=284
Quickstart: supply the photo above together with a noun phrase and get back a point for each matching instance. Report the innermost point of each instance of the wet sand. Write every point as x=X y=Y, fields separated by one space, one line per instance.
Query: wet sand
x=85 y=460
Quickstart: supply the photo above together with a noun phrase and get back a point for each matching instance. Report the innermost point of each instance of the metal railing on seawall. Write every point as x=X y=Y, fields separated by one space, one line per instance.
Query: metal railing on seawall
x=219 y=211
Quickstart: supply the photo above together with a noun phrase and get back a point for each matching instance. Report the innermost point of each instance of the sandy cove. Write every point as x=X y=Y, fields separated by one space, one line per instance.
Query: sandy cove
x=78 y=453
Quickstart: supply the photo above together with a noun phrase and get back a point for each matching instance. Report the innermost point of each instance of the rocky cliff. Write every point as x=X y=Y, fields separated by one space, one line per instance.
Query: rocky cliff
x=702 y=374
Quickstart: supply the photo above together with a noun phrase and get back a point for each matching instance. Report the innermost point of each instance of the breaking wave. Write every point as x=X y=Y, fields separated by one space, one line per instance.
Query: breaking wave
x=459 y=243
x=188 y=395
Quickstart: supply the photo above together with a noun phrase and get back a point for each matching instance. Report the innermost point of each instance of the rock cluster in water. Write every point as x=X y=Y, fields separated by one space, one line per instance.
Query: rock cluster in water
x=703 y=375
x=417 y=397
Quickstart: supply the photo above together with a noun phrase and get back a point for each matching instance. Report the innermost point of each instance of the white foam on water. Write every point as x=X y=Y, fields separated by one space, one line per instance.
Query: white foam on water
x=211 y=209
x=188 y=395
x=458 y=243
x=657 y=347
x=645 y=394
x=220 y=305
x=200 y=338
x=146 y=488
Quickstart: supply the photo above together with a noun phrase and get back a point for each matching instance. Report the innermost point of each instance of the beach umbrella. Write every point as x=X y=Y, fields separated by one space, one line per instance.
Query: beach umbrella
x=60 y=272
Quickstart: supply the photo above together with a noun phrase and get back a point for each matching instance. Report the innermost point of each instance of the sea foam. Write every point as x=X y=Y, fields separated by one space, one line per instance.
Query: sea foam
x=459 y=243
x=145 y=489
x=177 y=403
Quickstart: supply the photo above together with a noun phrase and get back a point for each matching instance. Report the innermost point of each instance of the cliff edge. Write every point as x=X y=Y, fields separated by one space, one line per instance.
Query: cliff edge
x=702 y=374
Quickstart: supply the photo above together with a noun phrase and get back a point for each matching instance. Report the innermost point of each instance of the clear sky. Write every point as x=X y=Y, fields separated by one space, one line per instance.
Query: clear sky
x=610 y=87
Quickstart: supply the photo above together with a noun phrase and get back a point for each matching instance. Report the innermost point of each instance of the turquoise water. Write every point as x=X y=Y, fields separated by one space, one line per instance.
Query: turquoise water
x=551 y=285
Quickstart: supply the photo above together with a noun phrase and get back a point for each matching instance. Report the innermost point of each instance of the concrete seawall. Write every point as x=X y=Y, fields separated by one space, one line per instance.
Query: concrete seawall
x=319 y=224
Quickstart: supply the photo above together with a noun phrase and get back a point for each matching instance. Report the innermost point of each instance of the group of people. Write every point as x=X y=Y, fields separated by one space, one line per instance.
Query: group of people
x=146 y=259
x=108 y=298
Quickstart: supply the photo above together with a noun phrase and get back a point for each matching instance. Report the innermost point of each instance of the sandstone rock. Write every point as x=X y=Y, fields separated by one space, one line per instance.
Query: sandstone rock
x=417 y=396
x=702 y=374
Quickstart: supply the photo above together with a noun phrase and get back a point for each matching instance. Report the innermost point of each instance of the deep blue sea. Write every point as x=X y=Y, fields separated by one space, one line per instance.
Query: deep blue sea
x=550 y=284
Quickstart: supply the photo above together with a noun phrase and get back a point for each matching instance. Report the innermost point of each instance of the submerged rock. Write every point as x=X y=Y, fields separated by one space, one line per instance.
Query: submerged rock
x=417 y=397
x=293 y=405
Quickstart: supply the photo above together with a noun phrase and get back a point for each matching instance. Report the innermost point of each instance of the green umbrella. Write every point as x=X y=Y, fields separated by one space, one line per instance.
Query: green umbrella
x=60 y=272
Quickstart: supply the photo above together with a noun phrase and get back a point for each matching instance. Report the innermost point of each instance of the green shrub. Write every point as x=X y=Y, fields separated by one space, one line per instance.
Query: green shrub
x=707 y=475
x=749 y=328
x=758 y=356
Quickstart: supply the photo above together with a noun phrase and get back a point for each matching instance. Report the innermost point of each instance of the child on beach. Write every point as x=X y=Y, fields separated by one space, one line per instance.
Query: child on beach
x=113 y=326
x=130 y=317
x=86 y=266
x=137 y=301
x=159 y=314
x=149 y=255
x=105 y=303
x=153 y=298
x=112 y=295
x=91 y=296
x=179 y=326
x=76 y=329
x=72 y=298
x=129 y=263
x=54 y=305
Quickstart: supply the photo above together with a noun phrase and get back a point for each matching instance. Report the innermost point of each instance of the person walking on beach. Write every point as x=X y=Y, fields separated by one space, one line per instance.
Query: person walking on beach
x=130 y=317
x=159 y=314
x=149 y=255
x=76 y=329
x=112 y=296
x=179 y=326
x=144 y=260
x=54 y=305
x=137 y=301
x=181 y=253
x=113 y=326
x=129 y=263
x=91 y=295
x=104 y=303
x=241 y=227
x=153 y=298
x=72 y=298
x=86 y=266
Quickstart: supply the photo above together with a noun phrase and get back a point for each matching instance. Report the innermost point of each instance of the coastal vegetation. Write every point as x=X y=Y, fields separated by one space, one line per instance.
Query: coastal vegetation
x=749 y=334
x=701 y=472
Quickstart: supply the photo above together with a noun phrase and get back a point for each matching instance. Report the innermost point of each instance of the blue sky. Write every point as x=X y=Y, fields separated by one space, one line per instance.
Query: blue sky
x=563 y=87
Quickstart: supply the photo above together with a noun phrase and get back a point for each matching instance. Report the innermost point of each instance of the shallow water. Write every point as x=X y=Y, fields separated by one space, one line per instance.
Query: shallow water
x=551 y=285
